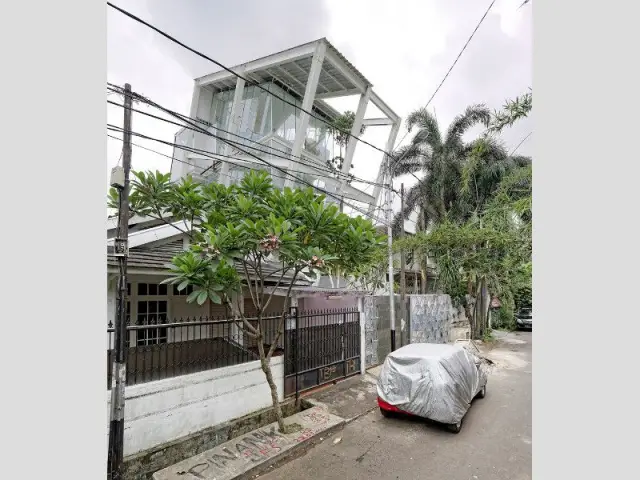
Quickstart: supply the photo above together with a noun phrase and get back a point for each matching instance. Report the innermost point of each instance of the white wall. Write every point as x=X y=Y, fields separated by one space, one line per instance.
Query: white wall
x=111 y=300
x=308 y=304
x=323 y=303
x=162 y=411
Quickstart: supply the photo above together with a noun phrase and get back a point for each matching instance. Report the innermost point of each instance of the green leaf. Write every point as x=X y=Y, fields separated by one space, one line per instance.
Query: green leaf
x=202 y=297
x=183 y=285
x=192 y=296
x=215 y=298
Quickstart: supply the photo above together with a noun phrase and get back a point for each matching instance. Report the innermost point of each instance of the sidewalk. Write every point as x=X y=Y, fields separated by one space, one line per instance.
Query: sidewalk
x=257 y=451
x=254 y=451
x=350 y=398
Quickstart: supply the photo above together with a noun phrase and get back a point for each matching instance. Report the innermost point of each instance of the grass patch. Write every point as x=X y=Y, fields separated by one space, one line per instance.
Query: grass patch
x=488 y=337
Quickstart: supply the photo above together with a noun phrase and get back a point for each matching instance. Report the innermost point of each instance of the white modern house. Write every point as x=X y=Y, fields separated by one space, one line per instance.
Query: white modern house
x=275 y=133
x=266 y=118
x=270 y=126
x=269 y=130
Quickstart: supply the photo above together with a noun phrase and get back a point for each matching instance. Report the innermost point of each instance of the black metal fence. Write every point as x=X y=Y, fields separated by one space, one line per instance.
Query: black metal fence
x=159 y=350
x=320 y=347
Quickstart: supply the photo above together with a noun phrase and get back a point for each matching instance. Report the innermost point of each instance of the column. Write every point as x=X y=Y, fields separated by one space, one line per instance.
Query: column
x=363 y=362
x=307 y=104
x=355 y=130
x=391 y=140
x=235 y=118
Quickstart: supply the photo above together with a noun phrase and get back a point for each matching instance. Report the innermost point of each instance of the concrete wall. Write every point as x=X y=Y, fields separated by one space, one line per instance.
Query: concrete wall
x=378 y=328
x=430 y=318
x=163 y=411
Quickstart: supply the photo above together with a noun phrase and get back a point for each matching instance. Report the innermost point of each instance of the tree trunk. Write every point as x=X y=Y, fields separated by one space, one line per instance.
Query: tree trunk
x=481 y=308
x=266 y=368
x=468 y=309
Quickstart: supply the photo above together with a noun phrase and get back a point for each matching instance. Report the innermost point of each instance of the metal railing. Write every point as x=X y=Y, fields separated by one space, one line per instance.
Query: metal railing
x=162 y=349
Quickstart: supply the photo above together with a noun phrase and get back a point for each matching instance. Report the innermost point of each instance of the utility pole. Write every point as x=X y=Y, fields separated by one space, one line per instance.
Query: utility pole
x=392 y=311
x=403 y=281
x=120 y=180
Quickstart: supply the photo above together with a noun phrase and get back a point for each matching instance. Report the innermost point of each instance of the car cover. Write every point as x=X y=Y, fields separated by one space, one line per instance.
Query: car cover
x=434 y=381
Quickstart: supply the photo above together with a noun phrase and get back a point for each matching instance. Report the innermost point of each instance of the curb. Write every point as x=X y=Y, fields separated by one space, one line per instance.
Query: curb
x=352 y=419
x=290 y=454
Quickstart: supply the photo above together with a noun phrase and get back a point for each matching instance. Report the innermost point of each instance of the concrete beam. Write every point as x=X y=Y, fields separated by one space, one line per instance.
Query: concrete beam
x=355 y=130
x=343 y=93
x=307 y=104
x=391 y=140
x=235 y=119
x=384 y=108
x=292 y=54
x=182 y=169
x=377 y=122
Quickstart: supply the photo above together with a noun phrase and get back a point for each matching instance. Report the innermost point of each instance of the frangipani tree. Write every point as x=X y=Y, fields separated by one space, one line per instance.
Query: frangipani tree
x=254 y=237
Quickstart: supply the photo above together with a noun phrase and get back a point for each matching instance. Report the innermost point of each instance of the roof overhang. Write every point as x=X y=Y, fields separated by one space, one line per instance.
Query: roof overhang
x=291 y=68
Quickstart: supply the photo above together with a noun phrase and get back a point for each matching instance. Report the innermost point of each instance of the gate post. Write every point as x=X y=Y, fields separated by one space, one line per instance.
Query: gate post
x=294 y=314
x=361 y=317
x=344 y=342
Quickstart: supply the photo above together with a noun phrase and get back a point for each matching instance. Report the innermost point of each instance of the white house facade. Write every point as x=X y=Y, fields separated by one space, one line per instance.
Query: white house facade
x=185 y=370
x=266 y=118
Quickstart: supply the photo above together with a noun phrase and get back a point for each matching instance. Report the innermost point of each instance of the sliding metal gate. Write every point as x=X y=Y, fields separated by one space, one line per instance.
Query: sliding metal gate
x=320 y=347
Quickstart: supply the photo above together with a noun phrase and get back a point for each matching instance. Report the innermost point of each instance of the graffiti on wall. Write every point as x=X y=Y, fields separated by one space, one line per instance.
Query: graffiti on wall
x=252 y=448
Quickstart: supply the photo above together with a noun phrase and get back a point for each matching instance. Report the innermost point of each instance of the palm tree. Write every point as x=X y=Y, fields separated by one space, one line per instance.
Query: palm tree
x=459 y=178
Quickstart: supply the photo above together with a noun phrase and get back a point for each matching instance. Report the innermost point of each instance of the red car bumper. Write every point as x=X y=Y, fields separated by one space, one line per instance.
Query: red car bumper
x=388 y=407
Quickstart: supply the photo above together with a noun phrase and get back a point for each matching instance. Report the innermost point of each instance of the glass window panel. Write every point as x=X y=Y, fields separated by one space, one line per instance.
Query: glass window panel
x=142 y=289
x=153 y=289
x=162 y=289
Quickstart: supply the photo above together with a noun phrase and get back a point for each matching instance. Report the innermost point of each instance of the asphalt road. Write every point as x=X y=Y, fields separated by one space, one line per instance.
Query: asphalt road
x=495 y=441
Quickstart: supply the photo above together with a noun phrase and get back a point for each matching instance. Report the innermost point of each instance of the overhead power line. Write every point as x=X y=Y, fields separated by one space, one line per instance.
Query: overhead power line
x=461 y=51
x=333 y=174
x=137 y=145
x=464 y=47
x=224 y=140
x=210 y=155
x=205 y=153
x=521 y=142
x=214 y=156
x=246 y=79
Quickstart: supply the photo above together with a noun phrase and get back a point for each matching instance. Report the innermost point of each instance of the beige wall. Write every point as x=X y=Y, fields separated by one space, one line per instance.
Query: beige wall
x=177 y=309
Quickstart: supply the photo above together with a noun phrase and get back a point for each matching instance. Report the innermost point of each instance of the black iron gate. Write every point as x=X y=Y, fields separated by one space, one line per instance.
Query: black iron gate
x=320 y=347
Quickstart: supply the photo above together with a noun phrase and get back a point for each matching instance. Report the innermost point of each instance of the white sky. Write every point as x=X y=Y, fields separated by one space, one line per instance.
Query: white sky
x=404 y=48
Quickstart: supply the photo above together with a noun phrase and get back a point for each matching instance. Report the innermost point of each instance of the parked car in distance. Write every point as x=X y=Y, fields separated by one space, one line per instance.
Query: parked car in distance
x=433 y=381
x=524 y=318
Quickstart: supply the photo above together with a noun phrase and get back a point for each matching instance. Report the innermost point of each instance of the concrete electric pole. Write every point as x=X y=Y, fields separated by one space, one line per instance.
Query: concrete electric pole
x=120 y=180
x=389 y=216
